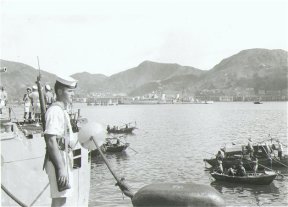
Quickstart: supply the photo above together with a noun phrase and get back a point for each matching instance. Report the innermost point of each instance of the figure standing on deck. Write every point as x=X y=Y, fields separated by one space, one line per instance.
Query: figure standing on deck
x=49 y=97
x=35 y=104
x=27 y=105
x=3 y=99
x=60 y=143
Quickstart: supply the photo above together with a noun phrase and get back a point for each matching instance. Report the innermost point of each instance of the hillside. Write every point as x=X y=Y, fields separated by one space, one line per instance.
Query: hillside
x=90 y=82
x=253 y=68
x=19 y=76
x=147 y=73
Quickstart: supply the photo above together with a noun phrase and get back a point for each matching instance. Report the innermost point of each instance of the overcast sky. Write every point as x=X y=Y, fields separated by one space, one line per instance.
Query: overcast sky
x=111 y=36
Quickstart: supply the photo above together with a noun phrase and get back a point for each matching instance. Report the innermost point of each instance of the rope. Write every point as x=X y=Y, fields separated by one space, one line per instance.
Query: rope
x=24 y=159
x=12 y=196
x=37 y=197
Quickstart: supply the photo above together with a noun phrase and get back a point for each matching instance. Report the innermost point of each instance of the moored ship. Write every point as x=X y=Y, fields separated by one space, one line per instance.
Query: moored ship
x=23 y=179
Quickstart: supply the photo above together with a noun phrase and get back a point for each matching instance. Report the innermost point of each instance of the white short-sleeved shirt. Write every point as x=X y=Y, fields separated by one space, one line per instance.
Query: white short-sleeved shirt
x=57 y=123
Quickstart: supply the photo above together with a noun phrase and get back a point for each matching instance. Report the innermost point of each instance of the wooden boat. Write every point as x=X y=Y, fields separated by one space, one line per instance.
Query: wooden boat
x=115 y=145
x=126 y=129
x=112 y=145
x=235 y=154
x=250 y=178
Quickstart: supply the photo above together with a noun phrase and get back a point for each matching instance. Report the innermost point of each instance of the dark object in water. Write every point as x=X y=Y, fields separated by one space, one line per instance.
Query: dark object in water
x=114 y=145
x=177 y=194
x=124 y=130
x=251 y=178
x=257 y=102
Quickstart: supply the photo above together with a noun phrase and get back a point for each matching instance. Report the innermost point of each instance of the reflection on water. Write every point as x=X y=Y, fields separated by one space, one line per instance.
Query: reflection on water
x=257 y=192
x=173 y=140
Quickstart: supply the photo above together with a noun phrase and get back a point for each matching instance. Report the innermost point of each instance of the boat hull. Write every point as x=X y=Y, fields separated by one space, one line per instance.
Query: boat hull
x=121 y=131
x=117 y=148
x=229 y=162
x=258 y=179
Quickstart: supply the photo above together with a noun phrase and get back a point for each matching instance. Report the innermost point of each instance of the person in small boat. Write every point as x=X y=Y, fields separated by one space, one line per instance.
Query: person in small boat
x=108 y=127
x=219 y=156
x=241 y=171
x=60 y=143
x=126 y=126
x=250 y=147
x=280 y=150
x=232 y=171
x=220 y=167
x=255 y=164
x=27 y=105
x=118 y=141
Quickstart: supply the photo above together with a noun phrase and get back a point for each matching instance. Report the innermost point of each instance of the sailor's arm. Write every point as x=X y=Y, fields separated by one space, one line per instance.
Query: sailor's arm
x=56 y=158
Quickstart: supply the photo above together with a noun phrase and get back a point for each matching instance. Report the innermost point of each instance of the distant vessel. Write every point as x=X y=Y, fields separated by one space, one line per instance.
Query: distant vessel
x=125 y=129
x=258 y=102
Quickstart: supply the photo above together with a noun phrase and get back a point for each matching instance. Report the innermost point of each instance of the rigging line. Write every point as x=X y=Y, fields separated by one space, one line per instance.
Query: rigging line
x=12 y=196
x=38 y=196
x=129 y=146
x=24 y=159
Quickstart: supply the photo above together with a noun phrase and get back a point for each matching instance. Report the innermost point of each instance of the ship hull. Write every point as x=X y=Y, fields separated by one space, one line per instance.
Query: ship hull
x=23 y=176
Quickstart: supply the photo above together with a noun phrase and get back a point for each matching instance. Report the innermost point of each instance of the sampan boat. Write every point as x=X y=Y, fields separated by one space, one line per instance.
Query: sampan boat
x=251 y=178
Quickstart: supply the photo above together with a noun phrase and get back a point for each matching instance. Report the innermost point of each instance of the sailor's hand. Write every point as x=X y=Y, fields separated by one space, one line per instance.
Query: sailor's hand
x=62 y=177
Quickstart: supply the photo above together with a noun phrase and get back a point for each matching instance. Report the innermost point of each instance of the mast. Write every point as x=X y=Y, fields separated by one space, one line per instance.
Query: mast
x=41 y=97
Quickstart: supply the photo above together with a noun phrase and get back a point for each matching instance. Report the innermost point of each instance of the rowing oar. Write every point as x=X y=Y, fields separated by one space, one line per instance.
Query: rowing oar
x=129 y=146
x=168 y=194
x=264 y=167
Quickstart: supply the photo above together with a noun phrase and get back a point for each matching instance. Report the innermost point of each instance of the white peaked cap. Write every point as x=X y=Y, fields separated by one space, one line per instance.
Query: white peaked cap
x=34 y=87
x=48 y=87
x=67 y=81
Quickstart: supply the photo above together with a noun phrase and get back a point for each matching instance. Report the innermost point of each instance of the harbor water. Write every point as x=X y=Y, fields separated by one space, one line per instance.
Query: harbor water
x=172 y=141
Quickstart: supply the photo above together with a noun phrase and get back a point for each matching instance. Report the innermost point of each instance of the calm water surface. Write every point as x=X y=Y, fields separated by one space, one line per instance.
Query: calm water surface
x=173 y=140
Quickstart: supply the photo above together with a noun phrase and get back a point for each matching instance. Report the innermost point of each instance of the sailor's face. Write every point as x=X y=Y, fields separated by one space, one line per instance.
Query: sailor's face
x=68 y=95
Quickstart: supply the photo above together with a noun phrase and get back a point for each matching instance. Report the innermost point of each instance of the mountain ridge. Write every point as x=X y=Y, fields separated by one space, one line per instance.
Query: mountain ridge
x=260 y=69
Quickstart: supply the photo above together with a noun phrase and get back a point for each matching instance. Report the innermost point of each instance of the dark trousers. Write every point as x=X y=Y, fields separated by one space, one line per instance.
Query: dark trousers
x=280 y=154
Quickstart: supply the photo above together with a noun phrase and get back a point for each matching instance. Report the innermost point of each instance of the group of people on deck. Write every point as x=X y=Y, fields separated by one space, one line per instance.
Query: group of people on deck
x=32 y=109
